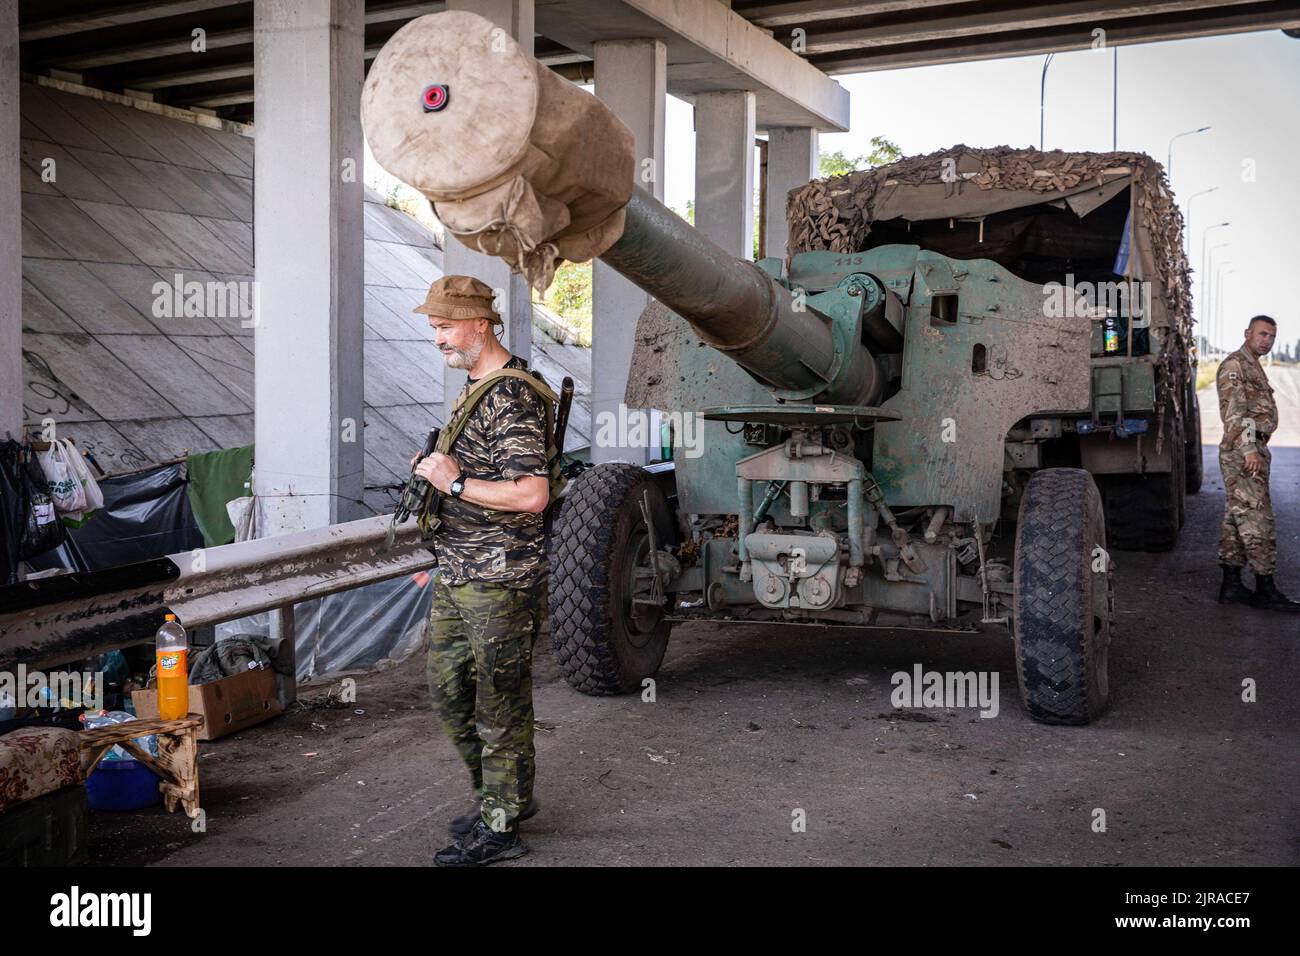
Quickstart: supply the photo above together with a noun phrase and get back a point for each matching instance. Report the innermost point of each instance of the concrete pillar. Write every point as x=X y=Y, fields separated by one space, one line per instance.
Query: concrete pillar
x=308 y=243
x=514 y=298
x=11 y=230
x=631 y=79
x=791 y=162
x=724 y=169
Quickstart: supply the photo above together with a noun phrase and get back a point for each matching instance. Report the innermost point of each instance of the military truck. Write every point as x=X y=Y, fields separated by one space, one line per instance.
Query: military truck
x=1103 y=225
x=898 y=427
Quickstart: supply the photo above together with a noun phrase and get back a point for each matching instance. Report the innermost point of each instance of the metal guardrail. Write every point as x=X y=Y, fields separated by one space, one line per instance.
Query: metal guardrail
x=50 y=621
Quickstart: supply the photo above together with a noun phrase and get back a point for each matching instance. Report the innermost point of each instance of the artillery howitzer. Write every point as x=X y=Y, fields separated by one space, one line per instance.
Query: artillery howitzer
x=855 y=411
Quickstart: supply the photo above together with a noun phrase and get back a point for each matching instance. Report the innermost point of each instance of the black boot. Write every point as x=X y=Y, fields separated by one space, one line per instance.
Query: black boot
x=482 y=845
x=1268 y=598
x=1232 y=591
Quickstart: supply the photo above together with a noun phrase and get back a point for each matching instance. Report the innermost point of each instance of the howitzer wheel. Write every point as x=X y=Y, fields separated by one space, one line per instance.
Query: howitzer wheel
x=1063 y=603
x=603 y=641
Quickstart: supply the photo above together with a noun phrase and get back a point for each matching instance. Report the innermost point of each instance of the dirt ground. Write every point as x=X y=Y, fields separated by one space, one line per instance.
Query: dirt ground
x=752 y=724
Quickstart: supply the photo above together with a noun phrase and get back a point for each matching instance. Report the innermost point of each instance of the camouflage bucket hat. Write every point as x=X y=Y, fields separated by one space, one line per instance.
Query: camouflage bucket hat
x=460 y=297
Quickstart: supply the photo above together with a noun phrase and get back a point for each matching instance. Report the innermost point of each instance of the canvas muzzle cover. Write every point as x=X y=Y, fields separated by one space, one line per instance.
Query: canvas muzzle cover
x=518 y=162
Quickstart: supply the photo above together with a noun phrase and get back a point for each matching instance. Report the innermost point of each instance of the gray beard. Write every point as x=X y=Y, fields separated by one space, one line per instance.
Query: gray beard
x=465 y=358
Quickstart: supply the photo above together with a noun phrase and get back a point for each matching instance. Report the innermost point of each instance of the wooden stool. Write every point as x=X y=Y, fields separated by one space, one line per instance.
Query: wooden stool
x=178 y=753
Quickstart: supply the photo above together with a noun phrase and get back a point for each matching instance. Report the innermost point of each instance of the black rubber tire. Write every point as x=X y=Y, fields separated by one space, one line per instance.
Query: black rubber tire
x=1194 y=456
x=1062 y=608
x=1180 y=476
x=1142 y=511
x=599 y=646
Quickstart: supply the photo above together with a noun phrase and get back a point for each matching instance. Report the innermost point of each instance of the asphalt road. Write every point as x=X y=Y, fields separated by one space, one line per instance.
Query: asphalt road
x=754 y=726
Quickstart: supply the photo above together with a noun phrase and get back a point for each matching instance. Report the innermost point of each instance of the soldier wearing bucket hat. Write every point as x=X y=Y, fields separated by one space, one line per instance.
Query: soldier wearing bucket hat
x=491 y=468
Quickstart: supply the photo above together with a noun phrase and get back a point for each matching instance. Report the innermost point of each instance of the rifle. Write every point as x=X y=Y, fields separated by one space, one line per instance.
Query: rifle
x=414 y=491
x=562 y=414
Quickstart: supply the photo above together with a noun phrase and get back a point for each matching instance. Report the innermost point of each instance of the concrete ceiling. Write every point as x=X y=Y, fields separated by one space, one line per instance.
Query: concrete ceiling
x=122 y=45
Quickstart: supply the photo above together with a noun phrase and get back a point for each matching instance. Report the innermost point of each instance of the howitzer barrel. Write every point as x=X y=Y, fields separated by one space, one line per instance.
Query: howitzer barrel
x=523 y=165
x=736 y=307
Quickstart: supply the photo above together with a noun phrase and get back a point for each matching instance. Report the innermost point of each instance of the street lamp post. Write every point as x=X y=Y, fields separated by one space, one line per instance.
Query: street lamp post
x=1218 y=293
x=1169 y=164
x=1209 y=301
x=1042 y=99
x=1190 y=198
x=1203 y=313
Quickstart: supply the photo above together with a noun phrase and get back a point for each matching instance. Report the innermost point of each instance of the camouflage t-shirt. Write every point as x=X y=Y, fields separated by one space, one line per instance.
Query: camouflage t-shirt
x=504 y=439
x=1245 y=402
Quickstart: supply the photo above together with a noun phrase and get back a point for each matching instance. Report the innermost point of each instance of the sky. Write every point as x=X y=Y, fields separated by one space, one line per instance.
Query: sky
x=1245 y=87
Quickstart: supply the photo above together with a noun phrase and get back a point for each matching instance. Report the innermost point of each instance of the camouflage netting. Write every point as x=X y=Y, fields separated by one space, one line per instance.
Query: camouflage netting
x=836 y=214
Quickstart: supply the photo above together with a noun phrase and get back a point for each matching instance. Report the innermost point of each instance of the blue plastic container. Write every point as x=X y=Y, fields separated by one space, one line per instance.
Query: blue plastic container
x=122 y=785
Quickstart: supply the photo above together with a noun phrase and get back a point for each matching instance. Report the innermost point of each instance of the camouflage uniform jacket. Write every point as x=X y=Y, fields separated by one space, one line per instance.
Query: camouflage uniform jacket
x=504 y=439
x=1245 y=402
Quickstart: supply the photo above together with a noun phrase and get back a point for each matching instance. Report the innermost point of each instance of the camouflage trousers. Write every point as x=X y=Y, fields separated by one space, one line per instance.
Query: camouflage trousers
x=480 y=671
x=1248 y=533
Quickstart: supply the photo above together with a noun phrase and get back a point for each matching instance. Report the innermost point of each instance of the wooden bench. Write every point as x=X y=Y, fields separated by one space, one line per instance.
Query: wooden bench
x=178 y=754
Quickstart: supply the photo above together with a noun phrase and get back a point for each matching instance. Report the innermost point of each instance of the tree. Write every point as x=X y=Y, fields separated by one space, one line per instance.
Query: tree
x=569 y=296
x=882 y=153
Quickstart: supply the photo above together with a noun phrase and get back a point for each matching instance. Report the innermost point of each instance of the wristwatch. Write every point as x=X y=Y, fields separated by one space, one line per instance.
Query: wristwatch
x=457 y=487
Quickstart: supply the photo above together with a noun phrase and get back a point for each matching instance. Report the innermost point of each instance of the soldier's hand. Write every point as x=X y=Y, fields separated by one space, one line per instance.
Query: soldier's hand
x=439 y=470
x=1253 y=463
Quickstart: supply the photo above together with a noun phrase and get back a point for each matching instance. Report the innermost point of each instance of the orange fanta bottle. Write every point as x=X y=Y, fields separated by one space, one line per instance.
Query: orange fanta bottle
x=173 y=670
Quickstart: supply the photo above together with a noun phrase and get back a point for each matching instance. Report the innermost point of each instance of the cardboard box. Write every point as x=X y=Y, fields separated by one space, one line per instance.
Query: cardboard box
x=227 y=705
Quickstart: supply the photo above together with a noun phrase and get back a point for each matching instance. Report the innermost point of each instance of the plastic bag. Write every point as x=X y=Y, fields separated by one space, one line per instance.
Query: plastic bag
x=106 y=718
x=65 y=484
x=42 y=530
x=243 y=515
x=89 y=486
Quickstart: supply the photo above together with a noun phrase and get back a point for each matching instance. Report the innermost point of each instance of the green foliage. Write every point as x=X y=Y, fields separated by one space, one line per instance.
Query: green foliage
x=882 y=153
x=570 y=297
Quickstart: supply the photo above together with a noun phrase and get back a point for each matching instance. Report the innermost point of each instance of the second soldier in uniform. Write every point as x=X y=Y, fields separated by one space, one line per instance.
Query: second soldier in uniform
x=490 y=592
x=1249 y=420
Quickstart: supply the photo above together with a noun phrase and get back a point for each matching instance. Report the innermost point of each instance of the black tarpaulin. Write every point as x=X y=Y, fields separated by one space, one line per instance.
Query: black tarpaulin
x=145 y=515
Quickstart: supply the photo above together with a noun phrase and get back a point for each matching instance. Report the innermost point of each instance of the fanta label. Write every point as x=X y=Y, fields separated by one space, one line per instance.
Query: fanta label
x=168 y=662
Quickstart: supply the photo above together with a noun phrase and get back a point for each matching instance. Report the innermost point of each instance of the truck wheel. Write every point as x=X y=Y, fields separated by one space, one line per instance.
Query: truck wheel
x=1180 y=475
x=1195 y=463
x=603 y=642
x=1142 y=511
x=1062 y=607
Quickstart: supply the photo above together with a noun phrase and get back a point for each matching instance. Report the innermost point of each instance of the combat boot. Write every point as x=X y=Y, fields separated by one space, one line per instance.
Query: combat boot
x=482 y=845
x=1232 y=591
x=461 y=825
x=1268 y=598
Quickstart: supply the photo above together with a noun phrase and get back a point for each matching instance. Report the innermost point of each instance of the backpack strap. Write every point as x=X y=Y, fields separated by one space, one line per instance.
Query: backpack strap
x=469 y=400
